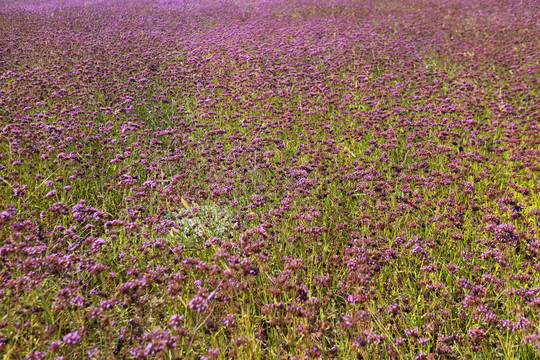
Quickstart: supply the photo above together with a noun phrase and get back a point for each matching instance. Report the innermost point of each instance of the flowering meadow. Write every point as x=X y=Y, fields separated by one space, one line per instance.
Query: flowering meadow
x=269 y=179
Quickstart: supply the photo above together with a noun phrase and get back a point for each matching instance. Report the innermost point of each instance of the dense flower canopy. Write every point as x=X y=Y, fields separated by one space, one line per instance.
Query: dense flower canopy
x=269 y=179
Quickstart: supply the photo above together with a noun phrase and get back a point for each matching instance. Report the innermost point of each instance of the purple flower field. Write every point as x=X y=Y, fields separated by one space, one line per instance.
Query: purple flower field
x=269 y=179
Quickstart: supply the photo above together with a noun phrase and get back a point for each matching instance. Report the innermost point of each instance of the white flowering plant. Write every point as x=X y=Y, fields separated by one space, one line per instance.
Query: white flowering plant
x=200 y=223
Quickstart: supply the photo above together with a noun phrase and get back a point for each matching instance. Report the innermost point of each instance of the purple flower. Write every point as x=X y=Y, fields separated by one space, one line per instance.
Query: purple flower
x=476 y=334
x=176 y=320
x=229 y=320
x=4 y=217
x=156 y=342
x=150 y=183
x=50 y=193
x=37 y=355
x=72 y=338
x=213 y=353
x=94 y=352
x=198 y=303
x=97 y=243
x=54 y=346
